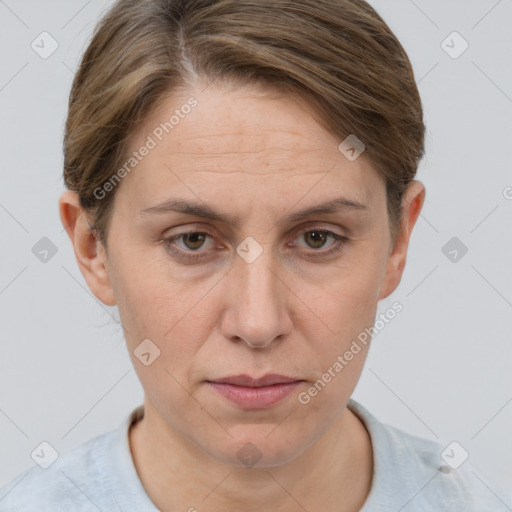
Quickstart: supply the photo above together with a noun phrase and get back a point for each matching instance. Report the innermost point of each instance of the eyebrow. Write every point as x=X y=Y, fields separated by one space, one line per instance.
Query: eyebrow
x=204 y=211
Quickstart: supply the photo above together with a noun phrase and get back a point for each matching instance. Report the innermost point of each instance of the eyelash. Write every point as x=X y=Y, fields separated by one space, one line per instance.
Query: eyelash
x=340 y=241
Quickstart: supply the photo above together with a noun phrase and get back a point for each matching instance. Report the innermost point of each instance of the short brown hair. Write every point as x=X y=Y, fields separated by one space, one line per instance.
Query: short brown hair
x=339 y=55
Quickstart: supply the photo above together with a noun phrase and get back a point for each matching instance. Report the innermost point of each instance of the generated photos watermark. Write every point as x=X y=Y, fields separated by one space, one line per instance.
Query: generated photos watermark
x=343 y=360
x=137 y=156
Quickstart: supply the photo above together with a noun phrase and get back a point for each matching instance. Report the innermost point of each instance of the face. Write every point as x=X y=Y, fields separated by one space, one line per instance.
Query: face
x=255 y=289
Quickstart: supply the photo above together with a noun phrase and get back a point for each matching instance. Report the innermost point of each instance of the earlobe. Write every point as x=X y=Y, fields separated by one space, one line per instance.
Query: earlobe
x=90 y=254
x=413 y=200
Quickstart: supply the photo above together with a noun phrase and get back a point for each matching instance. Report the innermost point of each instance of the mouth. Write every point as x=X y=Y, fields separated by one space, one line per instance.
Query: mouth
x=255 y=393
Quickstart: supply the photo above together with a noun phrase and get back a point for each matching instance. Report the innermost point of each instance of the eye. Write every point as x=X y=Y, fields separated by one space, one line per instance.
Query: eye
x=316 y=238
x=192 y=240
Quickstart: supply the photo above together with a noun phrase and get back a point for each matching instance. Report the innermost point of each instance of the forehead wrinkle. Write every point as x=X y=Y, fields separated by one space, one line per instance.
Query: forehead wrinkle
x=260 y=133
x=281 y=139
x=251 y=152
x=275 y=172
x=238 y=133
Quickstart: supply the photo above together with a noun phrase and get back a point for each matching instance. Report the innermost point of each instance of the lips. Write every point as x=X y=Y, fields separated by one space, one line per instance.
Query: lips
x=252 y=382
x=255 y=393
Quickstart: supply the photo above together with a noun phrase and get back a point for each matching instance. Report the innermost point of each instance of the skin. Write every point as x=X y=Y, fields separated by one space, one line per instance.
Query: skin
x=259 y=155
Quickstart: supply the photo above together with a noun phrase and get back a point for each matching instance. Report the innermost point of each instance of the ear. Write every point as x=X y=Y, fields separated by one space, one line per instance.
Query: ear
x=90 y=253
x=413 y=200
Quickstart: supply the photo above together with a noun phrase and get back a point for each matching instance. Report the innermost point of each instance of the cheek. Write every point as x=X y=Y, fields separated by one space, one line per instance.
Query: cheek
x=175 y=314
x=174 y=319
x=346 y=300
x=344 y=309
x=146 y=298
x=337 y=346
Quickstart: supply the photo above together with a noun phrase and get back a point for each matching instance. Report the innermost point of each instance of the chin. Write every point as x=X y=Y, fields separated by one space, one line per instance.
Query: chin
x=260 y=446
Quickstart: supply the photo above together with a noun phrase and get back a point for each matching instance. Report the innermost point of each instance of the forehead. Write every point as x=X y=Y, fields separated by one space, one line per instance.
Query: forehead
x=216 y=141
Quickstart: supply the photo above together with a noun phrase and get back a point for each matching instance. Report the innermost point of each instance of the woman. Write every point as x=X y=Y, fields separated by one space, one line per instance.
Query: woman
x=241 y=185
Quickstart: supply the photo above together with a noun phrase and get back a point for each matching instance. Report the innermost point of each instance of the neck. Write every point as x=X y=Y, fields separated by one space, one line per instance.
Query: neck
x=333 y=474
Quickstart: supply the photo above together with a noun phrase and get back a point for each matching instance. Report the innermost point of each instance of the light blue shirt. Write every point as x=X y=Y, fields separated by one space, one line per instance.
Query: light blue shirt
x=409 y=476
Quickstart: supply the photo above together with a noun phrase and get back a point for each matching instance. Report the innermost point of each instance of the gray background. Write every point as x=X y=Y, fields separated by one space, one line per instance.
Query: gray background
x=440 y=369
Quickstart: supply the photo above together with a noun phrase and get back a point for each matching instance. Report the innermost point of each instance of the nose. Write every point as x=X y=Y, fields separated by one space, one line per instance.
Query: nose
x=258 y=302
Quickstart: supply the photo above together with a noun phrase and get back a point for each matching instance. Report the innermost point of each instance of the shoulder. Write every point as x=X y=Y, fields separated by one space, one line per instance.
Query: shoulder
x=70 y=483
x=412 y=473
x=437 y=479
